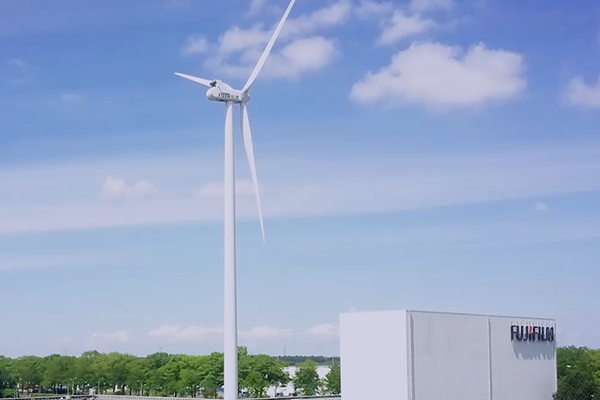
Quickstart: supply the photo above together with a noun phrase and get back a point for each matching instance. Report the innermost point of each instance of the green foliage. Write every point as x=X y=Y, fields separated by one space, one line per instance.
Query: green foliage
x=320 y=360
x=158 y=374
x=307 y=379
x=578 y=371
x=578 y=385
x=333 y=381
x=257 y=373
x=7 y=381
x=256 y=384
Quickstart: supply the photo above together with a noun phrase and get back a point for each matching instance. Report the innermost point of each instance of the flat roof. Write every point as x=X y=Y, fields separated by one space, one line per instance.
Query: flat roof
x=452 y=313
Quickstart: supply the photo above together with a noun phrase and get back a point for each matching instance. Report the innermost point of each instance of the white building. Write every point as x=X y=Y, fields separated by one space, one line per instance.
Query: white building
x=441 y=356
x=289 y=389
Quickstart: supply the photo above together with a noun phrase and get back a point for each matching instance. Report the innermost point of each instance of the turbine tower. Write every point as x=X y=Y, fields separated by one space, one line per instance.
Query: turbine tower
x=220 y=91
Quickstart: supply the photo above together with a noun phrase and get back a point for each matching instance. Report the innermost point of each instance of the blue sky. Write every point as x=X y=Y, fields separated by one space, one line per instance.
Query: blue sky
x=425 y=154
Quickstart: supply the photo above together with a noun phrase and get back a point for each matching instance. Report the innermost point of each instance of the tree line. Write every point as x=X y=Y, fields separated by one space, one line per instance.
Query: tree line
x=160 y=374
x=578 y=371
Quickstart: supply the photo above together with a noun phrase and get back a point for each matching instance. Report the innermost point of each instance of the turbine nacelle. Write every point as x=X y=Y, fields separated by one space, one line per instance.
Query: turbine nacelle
x=223 y=92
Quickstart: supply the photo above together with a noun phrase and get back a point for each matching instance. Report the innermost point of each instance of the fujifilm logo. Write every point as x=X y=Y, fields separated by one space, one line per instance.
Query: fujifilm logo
x=524 y=333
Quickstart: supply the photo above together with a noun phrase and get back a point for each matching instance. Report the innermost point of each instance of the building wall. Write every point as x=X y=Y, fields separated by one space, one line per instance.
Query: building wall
x=521 y=370
x=449 y=355
x=416 y=355
x=374 y=352
x=472 y=357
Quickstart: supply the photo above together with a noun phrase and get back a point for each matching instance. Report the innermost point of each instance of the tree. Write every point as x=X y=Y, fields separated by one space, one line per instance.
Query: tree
x=28 y=369
x=256 y=384
x=7 y=381
x=190 y=380
x=307 y=379
x=138 y=370
x=209 y=386
x=84 y=372
x=271 y=370
x=58 y=372
x=577 y=385
x=572 y=358
x=333 y=380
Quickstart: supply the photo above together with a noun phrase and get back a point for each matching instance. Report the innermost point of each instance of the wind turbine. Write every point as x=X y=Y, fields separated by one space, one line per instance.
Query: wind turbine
x=220 y=91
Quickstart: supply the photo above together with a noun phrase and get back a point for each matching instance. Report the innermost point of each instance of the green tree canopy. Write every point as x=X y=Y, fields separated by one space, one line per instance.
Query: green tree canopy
x=333 y=380
x=307 y=379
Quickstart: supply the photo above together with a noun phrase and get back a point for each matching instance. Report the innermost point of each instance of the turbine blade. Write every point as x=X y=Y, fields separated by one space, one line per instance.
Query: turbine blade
x=203 y=82
x=247 y=134
x=265 y=54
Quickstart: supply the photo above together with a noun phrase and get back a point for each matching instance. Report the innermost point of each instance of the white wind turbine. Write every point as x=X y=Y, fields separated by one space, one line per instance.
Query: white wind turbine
x=220 y=91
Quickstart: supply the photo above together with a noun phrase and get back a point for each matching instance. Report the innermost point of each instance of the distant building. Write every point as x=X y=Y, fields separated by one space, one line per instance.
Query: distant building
x=432 y=356
x=289 y=389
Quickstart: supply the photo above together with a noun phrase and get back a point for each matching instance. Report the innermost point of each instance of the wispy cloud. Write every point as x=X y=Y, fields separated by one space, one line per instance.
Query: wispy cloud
x=72 y=98
x=197 y=333
x=179 y=333
x=369 y=9
x=323 y=330
x=426 y=5
x=579 y=93
x=264 y=332
x=114 y=188
x=16 y=63
x=215 y=190
x=112 y=337
x=402 y=25
x=256 y=6
x=357 y=182
x=541 y=207
x=59 y=260
x=195 y=45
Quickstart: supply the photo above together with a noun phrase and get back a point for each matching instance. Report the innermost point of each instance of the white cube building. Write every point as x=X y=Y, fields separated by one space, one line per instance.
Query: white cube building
x=417 y=355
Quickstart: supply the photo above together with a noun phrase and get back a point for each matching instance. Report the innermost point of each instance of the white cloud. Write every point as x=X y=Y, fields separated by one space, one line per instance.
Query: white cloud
x=195 y=45
x=215 y=189
x=114 y=188
x=256 y=6
x=435 y=75
x=541 y=207
x=579 y=93
x=116 y=337
x=264 y=332
x=296 y=58
x=425 y=5
x=301 y=56
x=71 y=98
x=237 y=39
x=333 y=15
x=196 y=333
x=192 y=333
x=368 y=9
x=402 y=26
x=298 y=50
x=324 y=329
x=16 y=63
